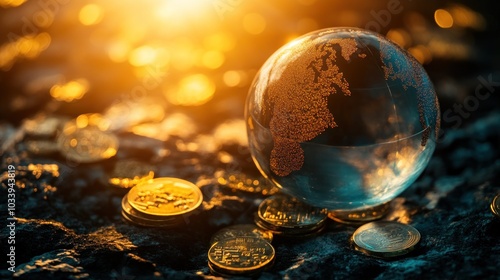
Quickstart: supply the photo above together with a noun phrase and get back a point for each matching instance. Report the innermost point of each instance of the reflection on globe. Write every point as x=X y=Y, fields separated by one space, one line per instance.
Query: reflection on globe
x=342 y=118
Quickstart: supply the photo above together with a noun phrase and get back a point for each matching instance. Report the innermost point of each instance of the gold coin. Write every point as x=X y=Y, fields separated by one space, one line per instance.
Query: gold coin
x=286 y=212
x=385 y=239
x=241 y=255
x=135 y=217
x=291 y=233
x=87 y=144
x=141 y=222
x=356 y=217
x=241 y=231
x=495 y=205
x=165 y=197
x=132 y=212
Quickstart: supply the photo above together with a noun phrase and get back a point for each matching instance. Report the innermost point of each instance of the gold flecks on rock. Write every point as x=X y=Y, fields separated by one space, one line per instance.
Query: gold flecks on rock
x=300 y=100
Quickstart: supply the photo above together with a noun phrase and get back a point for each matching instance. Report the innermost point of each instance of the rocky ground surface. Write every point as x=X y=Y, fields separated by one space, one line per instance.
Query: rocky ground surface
x=69 y=224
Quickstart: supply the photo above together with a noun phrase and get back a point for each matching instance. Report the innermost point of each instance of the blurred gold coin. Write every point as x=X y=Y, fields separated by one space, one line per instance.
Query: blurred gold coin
x=87 y=144
x=287 y=215
x=246 y=230
x=385 y=239
x=165 y=197
x=495 y=205
x=240 y=255
x=357 y=217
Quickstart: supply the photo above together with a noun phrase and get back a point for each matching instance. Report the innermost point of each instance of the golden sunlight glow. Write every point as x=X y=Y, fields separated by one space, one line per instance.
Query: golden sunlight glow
x=233 y=78
x=306 y=2
x=90 y=14
x=36 y=45
x=142 y=56
x=254 y=23
x=213 y=59
x=443 y=18
x=192 y=91
x=11 y=3
x=306 y=24
x=94 y=120
x=179 y=15
x=118 y=51
x=27 y=46
x=231 y=131
x=70 y=91
x=184 y=54
x=220 y=41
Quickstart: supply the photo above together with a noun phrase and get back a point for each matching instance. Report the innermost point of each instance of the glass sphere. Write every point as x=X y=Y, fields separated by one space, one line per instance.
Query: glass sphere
x=342 y=118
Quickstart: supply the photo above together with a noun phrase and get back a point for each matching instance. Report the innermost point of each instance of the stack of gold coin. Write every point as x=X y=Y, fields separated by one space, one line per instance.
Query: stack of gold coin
x=495 y=205
x=161 y=202
x=358 y=217
x=287 y=216
x=240 y=256
x=385 y=239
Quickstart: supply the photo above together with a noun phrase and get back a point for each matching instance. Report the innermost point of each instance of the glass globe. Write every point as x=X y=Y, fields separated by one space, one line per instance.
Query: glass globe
x=342 y=118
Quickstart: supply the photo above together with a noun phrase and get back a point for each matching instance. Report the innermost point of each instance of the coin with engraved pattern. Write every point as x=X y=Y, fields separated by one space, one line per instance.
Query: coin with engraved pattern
x=287 y=215
x=240 y=256
x=385 y=239
x=135 y=217
x=165 y=197
x=358 y=217
x=245 y=230
x=495 y=205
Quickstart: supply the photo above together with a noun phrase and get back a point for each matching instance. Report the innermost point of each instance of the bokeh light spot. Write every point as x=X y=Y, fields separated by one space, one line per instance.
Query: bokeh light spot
x=11 y=3
x=400 y=37
x=192 y=90
x=213 y=59
x=220 y=41
x=231 y=78
x=443 y=18
x=118 y=51
x=70 y=91
x=90 y=14
x=421 y=53
x=142 y=56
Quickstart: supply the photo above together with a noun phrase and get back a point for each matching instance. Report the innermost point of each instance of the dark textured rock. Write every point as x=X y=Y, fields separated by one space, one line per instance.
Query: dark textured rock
x=71 y=226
